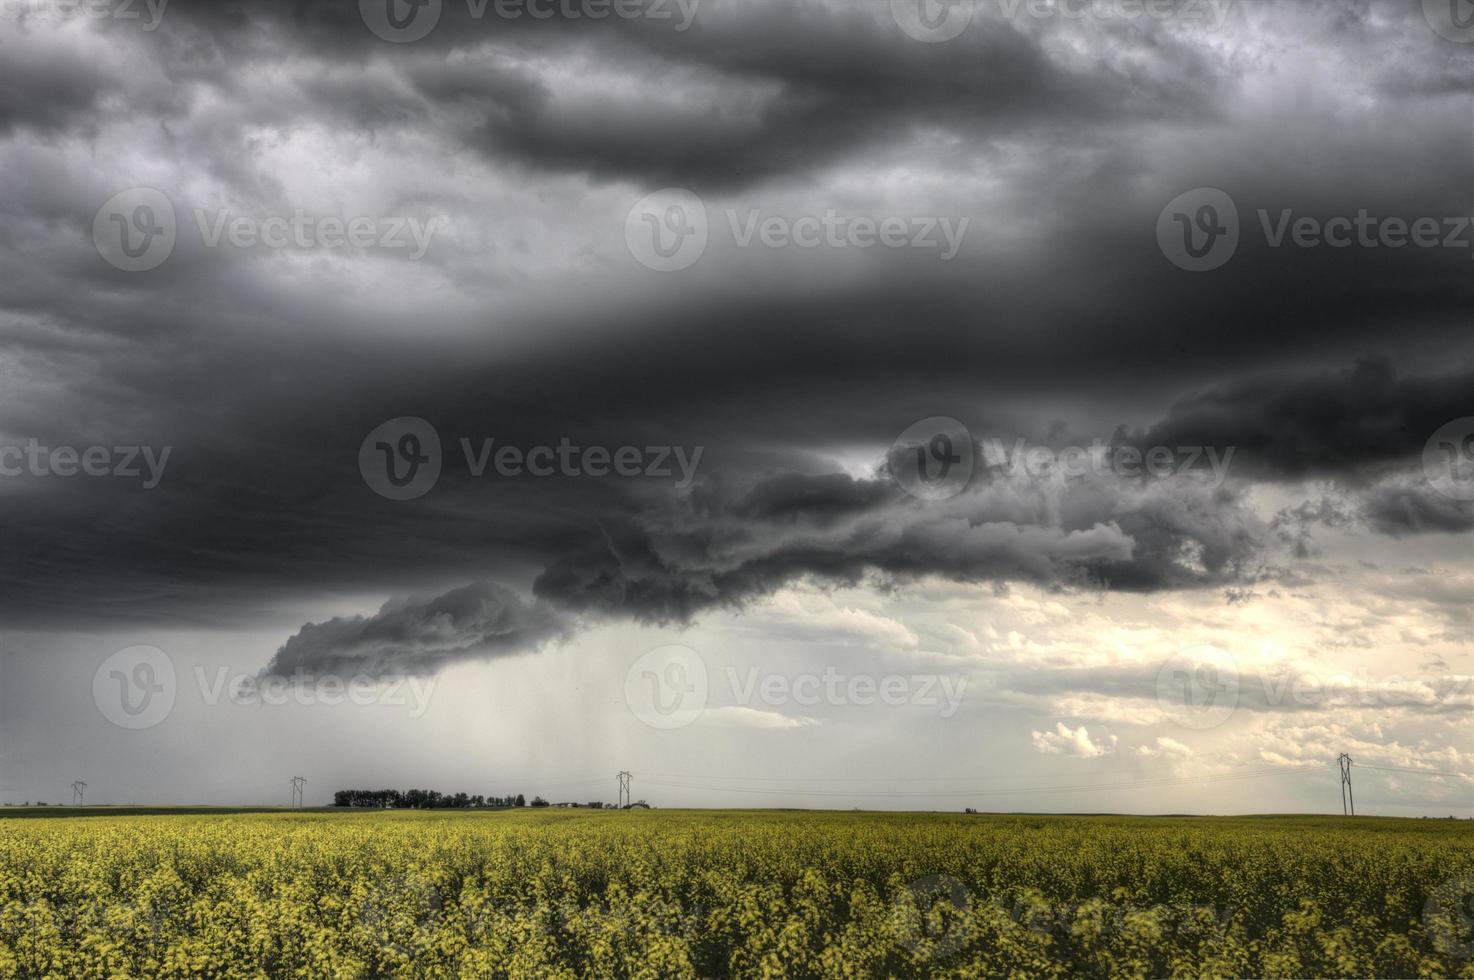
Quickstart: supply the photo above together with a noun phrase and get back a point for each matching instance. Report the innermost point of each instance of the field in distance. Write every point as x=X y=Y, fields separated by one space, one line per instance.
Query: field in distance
x=729 y=893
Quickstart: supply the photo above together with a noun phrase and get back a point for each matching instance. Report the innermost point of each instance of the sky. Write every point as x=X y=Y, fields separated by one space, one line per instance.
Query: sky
x=1008 y=404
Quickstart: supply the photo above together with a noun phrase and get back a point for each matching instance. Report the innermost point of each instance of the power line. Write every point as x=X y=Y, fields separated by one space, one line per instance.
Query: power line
x=771 y=786
x=885 y=780
x=1419 y=772
x=709 y=778
x=1023 y=790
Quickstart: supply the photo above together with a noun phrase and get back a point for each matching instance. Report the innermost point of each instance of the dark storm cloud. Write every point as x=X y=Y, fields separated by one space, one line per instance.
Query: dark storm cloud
x=478 y=621
x=787 y=98
x=249 y=513
x=46 y=89
x=265 y=375
x=723 y=548
x=751 y=91
x=1338 y=423
x=718 y=551
x=1296 y=525
x=1401 y=507
x=822 y=499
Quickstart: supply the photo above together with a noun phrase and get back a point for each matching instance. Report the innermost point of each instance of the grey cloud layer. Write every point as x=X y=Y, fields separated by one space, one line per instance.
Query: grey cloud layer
x=1062 y=140
x=408 y=637
x=724 y=548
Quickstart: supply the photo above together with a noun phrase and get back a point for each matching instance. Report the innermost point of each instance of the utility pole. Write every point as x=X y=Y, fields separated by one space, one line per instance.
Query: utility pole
x=298 y=785
x=624 y=788
x=77 y=787
x=1348 y=802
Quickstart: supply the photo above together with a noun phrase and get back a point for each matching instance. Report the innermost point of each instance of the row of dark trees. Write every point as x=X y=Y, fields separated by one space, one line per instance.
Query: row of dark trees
x=425 y=799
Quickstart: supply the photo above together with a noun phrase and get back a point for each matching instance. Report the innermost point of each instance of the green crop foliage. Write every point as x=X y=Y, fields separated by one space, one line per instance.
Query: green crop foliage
x=722 y=893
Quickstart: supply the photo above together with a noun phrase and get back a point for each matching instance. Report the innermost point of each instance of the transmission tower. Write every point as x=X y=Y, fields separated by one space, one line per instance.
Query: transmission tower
x=1348 y=802
x=298 y=785
x=77 y=787
x=624 y=789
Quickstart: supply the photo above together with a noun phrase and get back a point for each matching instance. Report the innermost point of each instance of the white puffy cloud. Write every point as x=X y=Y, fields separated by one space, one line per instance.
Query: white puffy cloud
x=1074 y=742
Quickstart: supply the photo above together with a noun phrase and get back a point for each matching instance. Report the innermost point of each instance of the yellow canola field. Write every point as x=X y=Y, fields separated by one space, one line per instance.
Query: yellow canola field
x=725 y=893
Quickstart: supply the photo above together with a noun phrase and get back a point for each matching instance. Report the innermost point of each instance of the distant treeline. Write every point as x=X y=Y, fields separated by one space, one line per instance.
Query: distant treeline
x=425 y=799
